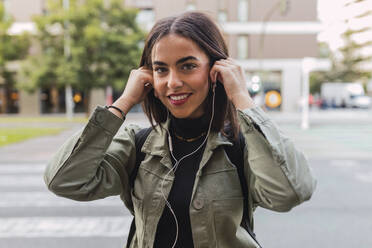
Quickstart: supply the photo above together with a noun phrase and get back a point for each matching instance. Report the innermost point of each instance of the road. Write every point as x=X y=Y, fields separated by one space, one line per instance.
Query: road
x=30 y=216
x=338 y=215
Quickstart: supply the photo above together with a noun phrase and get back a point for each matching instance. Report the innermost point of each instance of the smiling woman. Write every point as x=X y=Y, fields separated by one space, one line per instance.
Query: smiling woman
x=211 y=157
x=181 y=72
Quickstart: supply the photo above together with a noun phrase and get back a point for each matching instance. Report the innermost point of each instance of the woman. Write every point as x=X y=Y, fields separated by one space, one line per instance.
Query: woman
x=186 y=192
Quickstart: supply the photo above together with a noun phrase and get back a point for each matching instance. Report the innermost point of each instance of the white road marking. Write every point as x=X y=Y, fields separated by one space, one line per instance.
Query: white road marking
x=27 y=175
x=48 y=199
x=35 y=227
x=21 y=169
x=17 y=181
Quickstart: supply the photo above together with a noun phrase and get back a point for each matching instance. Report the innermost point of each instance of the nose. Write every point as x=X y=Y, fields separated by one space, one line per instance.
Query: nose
x=174 y=81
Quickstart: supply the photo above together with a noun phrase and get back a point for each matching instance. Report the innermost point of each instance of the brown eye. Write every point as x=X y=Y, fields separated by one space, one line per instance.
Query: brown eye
x=160 y=70
x=188 y=67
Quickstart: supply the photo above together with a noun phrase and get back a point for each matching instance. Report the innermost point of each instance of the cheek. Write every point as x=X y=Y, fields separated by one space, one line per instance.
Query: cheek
x=202 y=84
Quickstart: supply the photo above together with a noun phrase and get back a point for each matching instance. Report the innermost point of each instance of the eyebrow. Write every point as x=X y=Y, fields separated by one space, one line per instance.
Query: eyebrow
x=180 y=61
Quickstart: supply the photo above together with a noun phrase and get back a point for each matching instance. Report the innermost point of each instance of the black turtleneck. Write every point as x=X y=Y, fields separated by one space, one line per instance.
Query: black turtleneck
x=180 y=194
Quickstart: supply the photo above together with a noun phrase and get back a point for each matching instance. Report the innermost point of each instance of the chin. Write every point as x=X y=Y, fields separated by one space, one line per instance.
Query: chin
x=180 y=115
x=185 y=114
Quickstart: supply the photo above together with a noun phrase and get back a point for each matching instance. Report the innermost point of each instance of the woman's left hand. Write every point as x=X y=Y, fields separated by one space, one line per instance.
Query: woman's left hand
x=231 y=75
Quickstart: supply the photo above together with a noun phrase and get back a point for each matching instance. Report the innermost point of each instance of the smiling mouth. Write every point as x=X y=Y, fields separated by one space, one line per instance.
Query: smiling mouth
x=179 y=99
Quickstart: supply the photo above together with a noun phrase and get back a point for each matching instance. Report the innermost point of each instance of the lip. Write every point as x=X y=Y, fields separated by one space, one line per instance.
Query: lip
x=181 y=101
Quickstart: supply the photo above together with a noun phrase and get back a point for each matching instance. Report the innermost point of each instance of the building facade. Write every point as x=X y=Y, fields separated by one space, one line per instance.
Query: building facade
x=269 y=38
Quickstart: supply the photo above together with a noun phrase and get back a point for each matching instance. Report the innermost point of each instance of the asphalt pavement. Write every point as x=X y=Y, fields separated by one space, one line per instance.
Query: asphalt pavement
x=338 y=145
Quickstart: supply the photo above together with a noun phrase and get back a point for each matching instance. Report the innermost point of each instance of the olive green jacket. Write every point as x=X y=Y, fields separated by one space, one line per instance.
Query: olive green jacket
x=97 y=162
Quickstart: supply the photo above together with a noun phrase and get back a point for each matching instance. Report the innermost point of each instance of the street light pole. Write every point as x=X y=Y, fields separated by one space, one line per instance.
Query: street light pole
x=67 y=52
x=308 y=65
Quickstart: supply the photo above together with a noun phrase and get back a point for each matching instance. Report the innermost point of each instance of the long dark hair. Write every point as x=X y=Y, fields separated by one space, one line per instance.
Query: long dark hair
x=203 y=31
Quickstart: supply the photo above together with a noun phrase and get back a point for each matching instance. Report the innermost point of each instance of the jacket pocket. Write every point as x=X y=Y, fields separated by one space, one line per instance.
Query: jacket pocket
x=228 y=215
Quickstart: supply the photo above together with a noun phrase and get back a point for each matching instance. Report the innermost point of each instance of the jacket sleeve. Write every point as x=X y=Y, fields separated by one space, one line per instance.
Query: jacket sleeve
x=94 y=164
x=278 y=174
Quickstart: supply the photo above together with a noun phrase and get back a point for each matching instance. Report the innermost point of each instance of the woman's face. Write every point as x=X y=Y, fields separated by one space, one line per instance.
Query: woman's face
x=181 y=72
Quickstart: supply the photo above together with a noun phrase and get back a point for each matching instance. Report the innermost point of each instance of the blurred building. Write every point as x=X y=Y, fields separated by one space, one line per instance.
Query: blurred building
x=270 y=38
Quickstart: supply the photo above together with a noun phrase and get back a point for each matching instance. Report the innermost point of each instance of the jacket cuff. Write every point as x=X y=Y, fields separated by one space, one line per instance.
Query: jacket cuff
x=103 y=118
x=256 y=114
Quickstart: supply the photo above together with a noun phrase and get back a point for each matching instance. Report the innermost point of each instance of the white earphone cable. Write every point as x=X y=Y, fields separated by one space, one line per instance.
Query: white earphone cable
x=177 y=162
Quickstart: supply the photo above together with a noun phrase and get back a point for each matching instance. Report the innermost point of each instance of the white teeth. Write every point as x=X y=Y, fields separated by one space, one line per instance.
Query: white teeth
x=179 y=97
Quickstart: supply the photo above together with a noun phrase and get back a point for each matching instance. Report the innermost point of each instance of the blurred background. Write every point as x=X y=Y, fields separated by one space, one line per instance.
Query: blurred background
x=68 y=56
x=308 y=63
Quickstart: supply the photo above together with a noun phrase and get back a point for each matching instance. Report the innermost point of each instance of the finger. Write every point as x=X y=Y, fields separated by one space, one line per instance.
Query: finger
x=214 y=73
x=231 y=60
x=218 y=71
x=230 y=63
x=146 y=70
x=224 y=63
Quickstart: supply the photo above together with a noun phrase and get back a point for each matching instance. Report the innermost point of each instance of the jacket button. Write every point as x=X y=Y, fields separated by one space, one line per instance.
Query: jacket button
x=198 y=204
x=100 y=117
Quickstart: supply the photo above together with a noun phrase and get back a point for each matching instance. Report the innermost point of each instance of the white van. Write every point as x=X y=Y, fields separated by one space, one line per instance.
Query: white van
x=349 y=95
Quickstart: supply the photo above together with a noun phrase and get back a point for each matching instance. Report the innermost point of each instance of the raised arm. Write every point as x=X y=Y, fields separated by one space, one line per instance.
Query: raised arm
x=94 y=163
x=97 y=161
x=277 y=172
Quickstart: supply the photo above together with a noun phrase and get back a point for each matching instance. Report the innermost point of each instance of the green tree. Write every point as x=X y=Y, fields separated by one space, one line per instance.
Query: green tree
x=12 y=49
x=104 y=42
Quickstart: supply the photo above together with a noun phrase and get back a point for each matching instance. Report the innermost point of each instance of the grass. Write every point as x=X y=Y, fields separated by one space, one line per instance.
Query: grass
x=46 y=119
x=13 y=135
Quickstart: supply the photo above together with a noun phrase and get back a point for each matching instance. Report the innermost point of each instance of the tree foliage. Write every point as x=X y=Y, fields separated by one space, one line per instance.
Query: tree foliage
x=11 y=47
x=346 y=62
x=104 y=46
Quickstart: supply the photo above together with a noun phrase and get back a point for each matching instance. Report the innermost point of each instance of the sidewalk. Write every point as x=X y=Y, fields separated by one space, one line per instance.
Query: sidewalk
x=41 y=149
x=330 y=116
x=337 y=134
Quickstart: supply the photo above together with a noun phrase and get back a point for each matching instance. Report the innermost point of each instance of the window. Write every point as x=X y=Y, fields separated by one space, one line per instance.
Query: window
x=242 y=47
x=145 y=16
x=243 y=7
x=6 y=5
x=190 y=7
x=222 y=16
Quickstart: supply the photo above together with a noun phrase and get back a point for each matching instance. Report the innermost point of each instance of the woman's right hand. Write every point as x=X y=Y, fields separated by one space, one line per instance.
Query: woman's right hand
x=138 y=86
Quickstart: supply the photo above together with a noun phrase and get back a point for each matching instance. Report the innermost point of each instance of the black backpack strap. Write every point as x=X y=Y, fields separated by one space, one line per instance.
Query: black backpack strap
x=140 y=139
x=236 y=156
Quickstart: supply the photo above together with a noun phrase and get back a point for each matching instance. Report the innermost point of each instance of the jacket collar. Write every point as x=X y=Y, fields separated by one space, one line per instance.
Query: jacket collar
x=157 y=142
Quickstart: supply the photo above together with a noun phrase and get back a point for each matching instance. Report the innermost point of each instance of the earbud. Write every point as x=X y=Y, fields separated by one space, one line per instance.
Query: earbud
x=170 y=143
x=213 y=87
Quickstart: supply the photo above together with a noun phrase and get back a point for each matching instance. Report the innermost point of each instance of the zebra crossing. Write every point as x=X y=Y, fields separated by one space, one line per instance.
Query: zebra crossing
x=45 y=215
